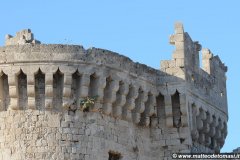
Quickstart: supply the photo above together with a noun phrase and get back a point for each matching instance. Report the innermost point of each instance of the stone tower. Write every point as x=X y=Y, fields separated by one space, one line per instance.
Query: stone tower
x=137 y=112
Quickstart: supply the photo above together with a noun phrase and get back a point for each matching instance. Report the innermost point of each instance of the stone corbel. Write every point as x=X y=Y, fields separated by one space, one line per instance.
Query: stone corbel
x=48 y=90
x=12 y=82
x=140 y=106
x=101 y=84
x=67 y=81
x=110 y=96
x=120 y=100
x=31 y=90
x=130 y=103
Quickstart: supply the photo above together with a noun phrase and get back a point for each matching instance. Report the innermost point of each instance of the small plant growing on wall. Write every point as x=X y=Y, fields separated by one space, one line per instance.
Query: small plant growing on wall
x=87 y=102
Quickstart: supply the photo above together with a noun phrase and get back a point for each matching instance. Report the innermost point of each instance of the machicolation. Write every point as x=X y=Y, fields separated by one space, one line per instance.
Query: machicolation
x=136 y=112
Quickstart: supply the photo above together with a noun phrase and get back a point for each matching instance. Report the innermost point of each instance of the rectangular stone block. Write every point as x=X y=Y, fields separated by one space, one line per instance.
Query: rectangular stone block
x=172 y=64
x=168 y=101
x=179 y=37
x=67 y=79
x=180 y=45
x=83 y=91
x=173 y=142
x=67 y=91
x=49 y=90
x=172 y=71
x=13 y=91
x=168 y=111
x=169 y=121
x=178 y=55
x=14 y=103
x=31 y=90
x=31 y=103
x=48 y=79
x=184 y=120
x=11 y=80
x=54 y=120
x=180 y=62
x=164 y=64
x=179 y=28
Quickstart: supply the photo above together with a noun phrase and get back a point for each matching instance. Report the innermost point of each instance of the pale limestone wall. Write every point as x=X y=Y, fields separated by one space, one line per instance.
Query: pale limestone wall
x=86 y=136
x=140 y=112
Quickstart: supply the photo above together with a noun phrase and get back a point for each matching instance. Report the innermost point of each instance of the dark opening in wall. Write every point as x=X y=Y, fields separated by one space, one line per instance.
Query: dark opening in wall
x=107 y=89
x=161 y=110
x=92 y=92
x=4 y=92
x=114 y=156
x=194 y=115
x=176 y=110
x=212 y=143
x=40 y=89
x=107 y=95
x=76 y=81
x=22 y=90
x=57 y=90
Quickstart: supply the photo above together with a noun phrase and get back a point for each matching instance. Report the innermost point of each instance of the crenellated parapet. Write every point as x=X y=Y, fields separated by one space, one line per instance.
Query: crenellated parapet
x=21 y=38
x=179 y=108
x=205 y=87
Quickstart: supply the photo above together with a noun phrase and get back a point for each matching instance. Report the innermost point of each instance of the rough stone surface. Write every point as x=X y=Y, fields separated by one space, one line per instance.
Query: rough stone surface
x=139 y=113
x=21 y=38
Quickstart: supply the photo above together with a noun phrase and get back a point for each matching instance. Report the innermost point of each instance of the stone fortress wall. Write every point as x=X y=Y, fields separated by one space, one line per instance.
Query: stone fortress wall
x=140 y=113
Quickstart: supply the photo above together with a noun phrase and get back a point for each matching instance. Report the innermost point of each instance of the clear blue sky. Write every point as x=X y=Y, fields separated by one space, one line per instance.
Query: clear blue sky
x=139 y=29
